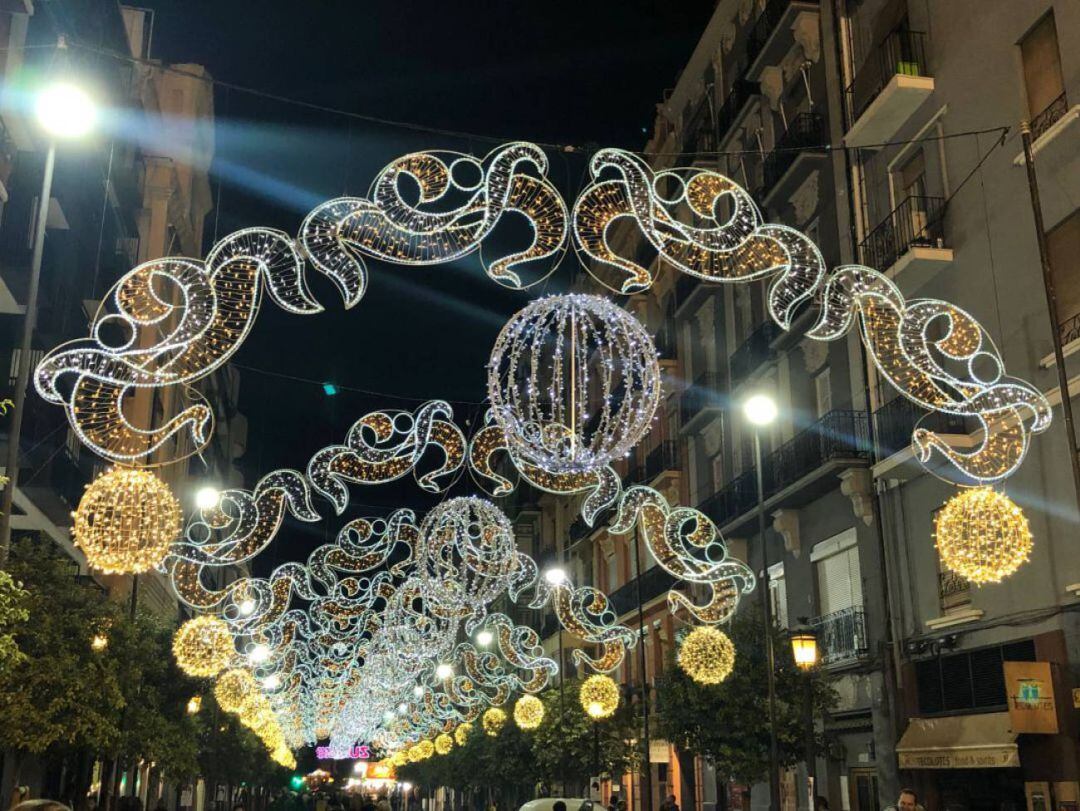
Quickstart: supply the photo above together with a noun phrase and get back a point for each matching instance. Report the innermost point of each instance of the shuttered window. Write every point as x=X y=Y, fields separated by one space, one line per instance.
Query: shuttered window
x=839 y=581
x=778 y=595
x=973 y=680
x=1042 y=65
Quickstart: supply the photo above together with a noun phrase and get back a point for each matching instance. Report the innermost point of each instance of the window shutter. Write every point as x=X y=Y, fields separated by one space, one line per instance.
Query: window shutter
x=823 y=392
x=839 y=582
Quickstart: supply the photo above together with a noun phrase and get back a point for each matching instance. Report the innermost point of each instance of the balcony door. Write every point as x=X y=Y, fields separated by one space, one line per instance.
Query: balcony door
x=1063 y=247
x=1043 y=79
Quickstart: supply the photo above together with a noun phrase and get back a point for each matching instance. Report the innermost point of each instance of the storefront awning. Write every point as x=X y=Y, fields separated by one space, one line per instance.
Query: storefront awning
x=982 y=741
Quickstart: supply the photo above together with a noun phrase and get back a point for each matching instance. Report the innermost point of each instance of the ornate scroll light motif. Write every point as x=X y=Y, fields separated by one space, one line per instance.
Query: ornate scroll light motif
x=722 y=240
x=586 y=613
x=176 y=321
x=574 y=382
x=602 y=486
x=385 y=445
x=389 y=228
x=939 y=357
x=520 y=646
x=687 y=545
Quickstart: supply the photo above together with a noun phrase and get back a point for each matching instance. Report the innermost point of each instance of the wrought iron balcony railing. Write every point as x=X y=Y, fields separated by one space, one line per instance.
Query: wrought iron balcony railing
x=697 y=397
x=917 y=222
x=901 y=53
x=654 y=583
x=895 y=421
x=1048 y=117
x=805 y=132
x=842 y=636
x=1070 y=329
x=763 y=28
x=753 y=352
x=741 y=92
x=664 y=456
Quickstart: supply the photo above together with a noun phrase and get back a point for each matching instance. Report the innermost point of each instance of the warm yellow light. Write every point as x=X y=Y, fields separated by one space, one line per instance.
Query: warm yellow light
x=599 y=696
x=194 y=705
x=707 y=655
x=462 y=733
x=126 y=520
x=99 y=642
x=493 y=721
x=982 y=535
x=443 y=744
x=234 y=688
x=203 y=646
x=528 y=712
x=804 y=649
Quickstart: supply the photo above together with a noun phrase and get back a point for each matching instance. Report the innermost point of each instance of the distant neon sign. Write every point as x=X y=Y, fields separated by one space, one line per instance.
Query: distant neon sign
x=358 y=752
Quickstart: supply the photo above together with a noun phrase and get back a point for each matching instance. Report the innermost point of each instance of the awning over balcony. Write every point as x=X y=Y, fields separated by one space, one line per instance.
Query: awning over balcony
x=983 y=741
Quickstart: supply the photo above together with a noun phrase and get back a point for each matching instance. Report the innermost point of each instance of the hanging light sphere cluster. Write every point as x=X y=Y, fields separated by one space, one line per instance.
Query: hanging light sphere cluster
x=443 y=744
x=467 y=555
x=233 y=688
x=982 y=535
x=599 y=696
x=528 y=712
x=462 y=733
x=203 y=646
x=707 y=655
x=493 y=721
x=574 y=382
x=126 y=520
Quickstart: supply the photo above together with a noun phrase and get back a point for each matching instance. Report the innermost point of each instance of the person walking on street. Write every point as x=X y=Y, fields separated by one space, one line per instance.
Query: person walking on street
x=908 y=800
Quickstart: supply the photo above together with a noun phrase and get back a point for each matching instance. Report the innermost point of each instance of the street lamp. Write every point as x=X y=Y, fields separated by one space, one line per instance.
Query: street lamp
x=99 y=642
x=760 y=411
x=804 y=649
x=64 y=111
x=556 y=576
x=444 y=671
x=194 y=705
x=206 y=498
x=483 y=639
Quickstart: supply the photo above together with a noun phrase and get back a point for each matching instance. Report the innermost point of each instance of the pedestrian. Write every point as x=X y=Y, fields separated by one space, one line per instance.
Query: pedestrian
x=38 y=805
x=383 y=804
x=669 y=804
x=20 y=795
x=907 y=800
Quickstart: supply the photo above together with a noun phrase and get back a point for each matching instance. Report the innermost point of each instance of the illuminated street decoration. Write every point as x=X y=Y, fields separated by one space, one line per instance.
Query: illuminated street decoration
x=528 y=712
x=574 y=382
x=125 y=521
x=686 y=544
x=707 y=655
x=493 y=721
x=982 y=535
x=203 y=646
x=599 y=696
x=585 y=613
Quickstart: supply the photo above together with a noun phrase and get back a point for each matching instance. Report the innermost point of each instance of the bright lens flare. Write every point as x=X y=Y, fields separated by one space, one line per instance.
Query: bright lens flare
x=760 y=409
x=65 y=111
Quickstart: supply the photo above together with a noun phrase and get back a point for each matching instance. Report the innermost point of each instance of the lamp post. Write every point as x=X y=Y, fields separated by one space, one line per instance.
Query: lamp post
x=760 y=410
x=804 y=649
x=64 y=111
x=556 y=576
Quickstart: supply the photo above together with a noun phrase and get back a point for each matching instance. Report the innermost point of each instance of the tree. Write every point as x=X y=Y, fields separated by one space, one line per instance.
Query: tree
x=13 y=615
x=60 y=693
x=568 y=742
x=727 y=723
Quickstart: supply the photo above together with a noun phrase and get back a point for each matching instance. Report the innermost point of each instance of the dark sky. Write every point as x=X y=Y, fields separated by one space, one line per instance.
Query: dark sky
x=563 y=72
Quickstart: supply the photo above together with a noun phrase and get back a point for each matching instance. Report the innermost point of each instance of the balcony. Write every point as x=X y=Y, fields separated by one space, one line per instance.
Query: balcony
x=734 y=108
x=891 y=85
x=1054 y=134
x=661 y=460
x=771 y=35
x=690 y=291
x=895 y=421
x=797 y=472
x=655 y=582
x=797 y=151
x=700 y=402
x=909 y=243
x=753 y=353
x=842 y=636
x=1053 y=113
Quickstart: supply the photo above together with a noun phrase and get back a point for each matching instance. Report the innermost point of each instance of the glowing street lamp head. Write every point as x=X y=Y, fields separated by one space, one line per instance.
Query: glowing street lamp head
x=247 y=605
x=760 y=409
x=418 y=691
x=483 y=639
x=555 y=576
x=207 y=498
x=65 y=111
x=271 y=682
x=402 y=708
x=260 y=653
x=444 y=671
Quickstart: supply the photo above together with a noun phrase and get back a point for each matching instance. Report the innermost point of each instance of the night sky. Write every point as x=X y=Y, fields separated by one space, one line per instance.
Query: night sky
x=576 y=73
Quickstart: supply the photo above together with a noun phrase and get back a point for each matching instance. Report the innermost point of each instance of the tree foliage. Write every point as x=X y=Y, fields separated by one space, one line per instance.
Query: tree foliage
x=728 y=723
x=13 y=615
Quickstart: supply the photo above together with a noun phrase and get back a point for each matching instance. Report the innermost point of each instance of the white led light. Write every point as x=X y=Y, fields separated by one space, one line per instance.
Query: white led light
x=484 y=638
x=760 y=409
x=259 y=653
x=444 y=671
x=207 y=498
x=246 y=607
x=65 y=111
x=555 y=576
x=271 y=682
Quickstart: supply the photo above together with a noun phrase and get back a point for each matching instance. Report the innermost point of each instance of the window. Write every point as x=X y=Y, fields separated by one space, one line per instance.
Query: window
x=913 y=176
x=778 y=595
x=864 y=790
x=1063 y=247
x=612 y=563
x=35 y=357
x=823 y=392
x=836 y=564
x=1042 y=66
x=972 y=680
x=718 y=471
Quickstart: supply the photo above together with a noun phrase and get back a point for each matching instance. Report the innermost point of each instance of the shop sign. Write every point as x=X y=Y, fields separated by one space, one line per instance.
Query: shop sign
x=992 y=757
x=1030 y=690
x=361 y=752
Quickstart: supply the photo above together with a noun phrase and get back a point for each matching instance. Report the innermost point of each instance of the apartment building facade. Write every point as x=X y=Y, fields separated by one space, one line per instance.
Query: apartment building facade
x=843 y=119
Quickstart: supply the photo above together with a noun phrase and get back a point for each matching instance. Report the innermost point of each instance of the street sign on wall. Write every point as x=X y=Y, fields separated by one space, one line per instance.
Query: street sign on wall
x=1030 y=690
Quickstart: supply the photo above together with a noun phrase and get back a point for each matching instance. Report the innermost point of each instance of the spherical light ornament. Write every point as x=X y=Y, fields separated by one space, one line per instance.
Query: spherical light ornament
x=574 y=382
x=528 y=712
x=467 y=556
x=126 y=520
x=203 y=646
x=462 y=733
x=493 y=721
x=234 y=688
x=707 y=655
x=599 y=696
x=982 y=535
x=443 y=744
x=425 y=749
x=65 y=110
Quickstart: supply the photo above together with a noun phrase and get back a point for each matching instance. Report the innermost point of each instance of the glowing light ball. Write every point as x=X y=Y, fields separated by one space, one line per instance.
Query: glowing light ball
x=707 y=655
x=462 y=733
x=425 y=749
x=982 y=535
x=126 y=520
x=443 y=744
x=493 y=721
x=203 y=646
x=599 y=696
x=528 y=712
x=574 y=382
x=234 y=688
